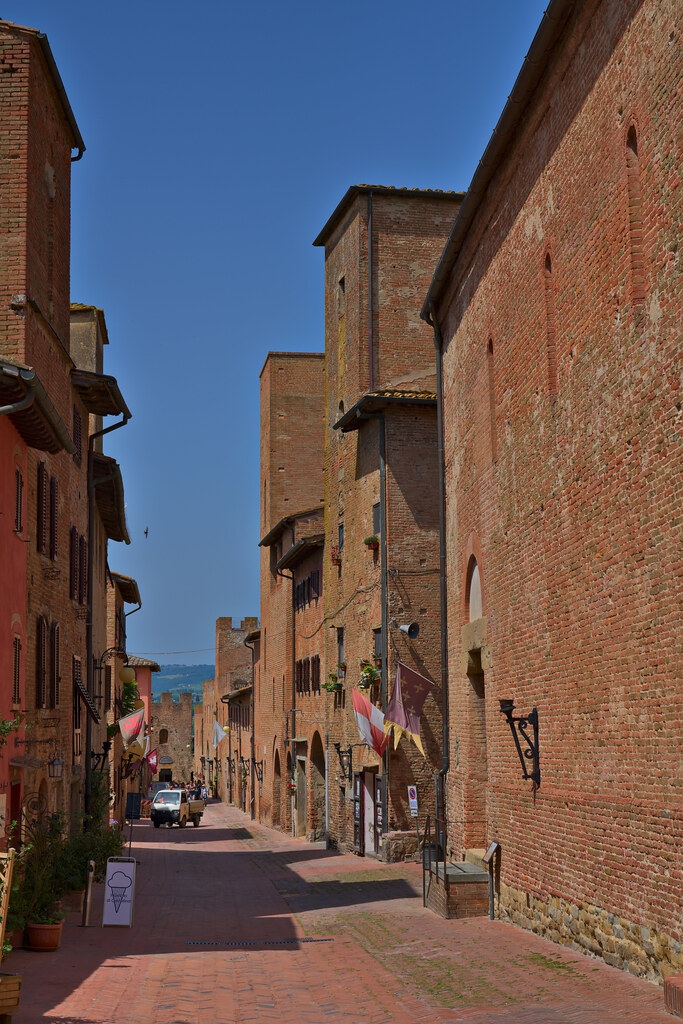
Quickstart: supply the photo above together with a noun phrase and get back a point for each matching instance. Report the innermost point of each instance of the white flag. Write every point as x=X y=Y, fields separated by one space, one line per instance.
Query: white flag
x=218 y=734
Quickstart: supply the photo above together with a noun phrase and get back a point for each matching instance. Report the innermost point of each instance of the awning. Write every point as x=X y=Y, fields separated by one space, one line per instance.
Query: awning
x=89 y=702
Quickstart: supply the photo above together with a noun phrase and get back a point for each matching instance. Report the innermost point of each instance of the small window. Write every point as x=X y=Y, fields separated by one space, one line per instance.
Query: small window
x=340 y=536
x=163 y=735
x=340 y=645
x=376 y=520
x=41 y=662
x=377 y=642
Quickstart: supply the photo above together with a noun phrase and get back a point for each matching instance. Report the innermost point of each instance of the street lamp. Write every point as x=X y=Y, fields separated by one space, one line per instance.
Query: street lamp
x=519 y=725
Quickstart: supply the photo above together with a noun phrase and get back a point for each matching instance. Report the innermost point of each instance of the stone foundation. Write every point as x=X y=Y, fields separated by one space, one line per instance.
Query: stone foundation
x=620 y=943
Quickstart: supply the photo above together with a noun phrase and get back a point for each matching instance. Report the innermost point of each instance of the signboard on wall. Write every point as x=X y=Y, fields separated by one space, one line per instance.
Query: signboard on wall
x=412 y=800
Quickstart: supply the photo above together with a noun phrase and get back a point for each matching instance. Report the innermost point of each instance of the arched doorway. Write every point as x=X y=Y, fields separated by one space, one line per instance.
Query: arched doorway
x=318 y=825
x=277 y=789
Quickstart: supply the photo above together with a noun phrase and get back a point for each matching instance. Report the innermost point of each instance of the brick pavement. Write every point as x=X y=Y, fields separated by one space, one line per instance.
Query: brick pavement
x=236 y=923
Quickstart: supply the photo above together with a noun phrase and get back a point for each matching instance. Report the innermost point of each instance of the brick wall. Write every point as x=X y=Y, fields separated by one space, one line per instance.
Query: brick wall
x=562 y=418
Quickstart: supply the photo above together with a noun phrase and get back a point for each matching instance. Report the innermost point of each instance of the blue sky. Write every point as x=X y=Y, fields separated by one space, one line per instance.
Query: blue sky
x=219 y=139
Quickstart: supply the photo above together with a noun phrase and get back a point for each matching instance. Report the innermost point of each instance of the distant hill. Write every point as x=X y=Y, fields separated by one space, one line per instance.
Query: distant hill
x=177 y=679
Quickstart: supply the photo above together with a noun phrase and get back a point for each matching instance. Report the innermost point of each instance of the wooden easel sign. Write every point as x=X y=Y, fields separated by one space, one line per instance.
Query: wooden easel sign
x=119 y=890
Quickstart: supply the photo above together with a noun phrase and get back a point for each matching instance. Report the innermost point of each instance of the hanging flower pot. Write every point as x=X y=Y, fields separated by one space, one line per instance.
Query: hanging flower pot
x=372 y=543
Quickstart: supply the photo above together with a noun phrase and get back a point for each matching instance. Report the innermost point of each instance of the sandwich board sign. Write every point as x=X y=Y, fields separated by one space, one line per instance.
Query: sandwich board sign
x=119 y=889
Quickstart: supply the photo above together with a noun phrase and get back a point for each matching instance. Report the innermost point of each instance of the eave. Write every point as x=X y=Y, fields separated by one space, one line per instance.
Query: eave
x=128 y=589
x=376 y=401
x=24 y=399
x=99 y=393
x=282 y=525
x=109 y=497
x=299 y=551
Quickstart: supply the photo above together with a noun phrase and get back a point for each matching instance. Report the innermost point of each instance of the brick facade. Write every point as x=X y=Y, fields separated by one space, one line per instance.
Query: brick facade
x=171 y=724
x=561 y=317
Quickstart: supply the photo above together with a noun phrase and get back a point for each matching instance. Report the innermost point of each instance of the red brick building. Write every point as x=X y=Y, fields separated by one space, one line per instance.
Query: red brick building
x=557 y=310
x=289 y=715
x=52 y=395
x=381 y=487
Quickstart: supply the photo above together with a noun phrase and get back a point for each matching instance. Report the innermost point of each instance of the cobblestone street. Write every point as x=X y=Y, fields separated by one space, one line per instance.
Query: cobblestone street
x=235 y=922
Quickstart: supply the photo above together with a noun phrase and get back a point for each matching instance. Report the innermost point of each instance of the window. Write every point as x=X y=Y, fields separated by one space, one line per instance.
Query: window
x=16 y=678
x=315 y=673
x=376 y=520
x=340 y=645
x=18 y=500
x=163 y=735
x=635 y=217
x=377 y=643
x=42 y=509
x=82 y=570
x=41 y=662
x=340 y=537
x=55 y=671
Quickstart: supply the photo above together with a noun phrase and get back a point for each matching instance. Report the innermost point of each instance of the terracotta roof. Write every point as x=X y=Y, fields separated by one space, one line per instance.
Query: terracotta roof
x=136 y=662
x=299 y=551
x=99 y=393
x=282 y=525
x=127 y=587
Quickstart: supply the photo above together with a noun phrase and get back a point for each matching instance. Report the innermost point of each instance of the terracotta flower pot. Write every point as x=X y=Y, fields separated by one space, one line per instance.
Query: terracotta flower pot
x=43 y=938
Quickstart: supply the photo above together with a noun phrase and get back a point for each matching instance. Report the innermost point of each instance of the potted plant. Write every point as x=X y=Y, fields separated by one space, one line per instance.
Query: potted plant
x=369 y=674
x=335 y=554
x=34 y=898
x=372 y=542
x=333 y=683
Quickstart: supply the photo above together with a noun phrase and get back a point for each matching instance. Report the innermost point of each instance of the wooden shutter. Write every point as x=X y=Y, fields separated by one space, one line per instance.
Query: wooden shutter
x=42 y=510
x=82 y=570
x=76 y=676
x=41 y=662
x=55 y=666
x=74 y=564
x=18 y=500
x=16 y=679
x=54 y=502
x=78 y=437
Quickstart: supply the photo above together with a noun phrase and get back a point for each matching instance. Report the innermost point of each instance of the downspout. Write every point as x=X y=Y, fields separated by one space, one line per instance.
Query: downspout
x=25 y=403
x=440 y=777
x=89 y=622
x=253 y=740
x=371 y=336
x=227 y=701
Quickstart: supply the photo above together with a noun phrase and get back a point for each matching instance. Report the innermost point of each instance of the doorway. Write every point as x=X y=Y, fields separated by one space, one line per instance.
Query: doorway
x=477 y=759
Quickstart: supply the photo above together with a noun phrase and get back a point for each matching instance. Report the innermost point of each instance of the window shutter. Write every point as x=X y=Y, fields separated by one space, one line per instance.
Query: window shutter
x=41 y=510
x=55 y=668
x=54 y=501
x=74 y=563
x=78 y=437
x=41 y=663
x=82 y=570
x=76 y=677
x=18 y=500
x=16 y=680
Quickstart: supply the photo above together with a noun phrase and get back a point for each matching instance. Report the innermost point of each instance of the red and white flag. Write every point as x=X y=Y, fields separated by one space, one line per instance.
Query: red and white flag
x=153 y=761
x=370 y=721
x=131 y=726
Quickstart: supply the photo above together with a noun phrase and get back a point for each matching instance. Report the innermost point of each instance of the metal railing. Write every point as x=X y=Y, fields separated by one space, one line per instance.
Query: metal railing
x=433 y=854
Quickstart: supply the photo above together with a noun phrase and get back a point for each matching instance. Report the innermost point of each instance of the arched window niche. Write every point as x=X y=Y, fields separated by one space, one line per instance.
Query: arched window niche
x=474 y=602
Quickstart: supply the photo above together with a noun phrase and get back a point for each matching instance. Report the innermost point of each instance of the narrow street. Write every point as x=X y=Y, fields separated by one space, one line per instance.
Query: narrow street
x=235 y=922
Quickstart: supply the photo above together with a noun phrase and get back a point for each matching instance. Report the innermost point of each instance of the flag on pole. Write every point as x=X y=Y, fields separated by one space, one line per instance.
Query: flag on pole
x=132 y=725
x=153 y=761
x=405 y=707
x=218 y=734
x=370 y=721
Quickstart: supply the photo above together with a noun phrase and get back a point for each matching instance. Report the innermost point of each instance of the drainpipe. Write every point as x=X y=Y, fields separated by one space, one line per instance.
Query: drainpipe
x=253 y=740
x=26 y=401
x=440 y=777
x=371 y=337
x=89 y=622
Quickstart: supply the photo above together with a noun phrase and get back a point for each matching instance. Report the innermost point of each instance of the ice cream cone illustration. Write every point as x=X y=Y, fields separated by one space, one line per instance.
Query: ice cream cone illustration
x=119 y=883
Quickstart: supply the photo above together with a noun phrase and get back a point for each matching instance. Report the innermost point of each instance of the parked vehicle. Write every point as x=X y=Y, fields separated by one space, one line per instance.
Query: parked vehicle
x=172 y=807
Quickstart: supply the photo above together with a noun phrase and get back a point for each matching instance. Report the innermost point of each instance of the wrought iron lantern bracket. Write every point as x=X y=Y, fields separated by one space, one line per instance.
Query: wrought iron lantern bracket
x=526 y=743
